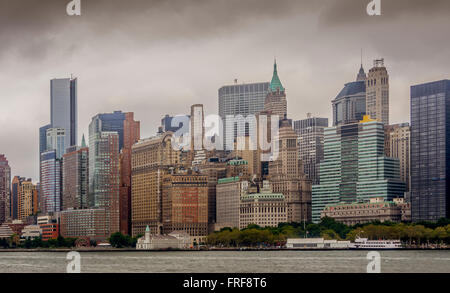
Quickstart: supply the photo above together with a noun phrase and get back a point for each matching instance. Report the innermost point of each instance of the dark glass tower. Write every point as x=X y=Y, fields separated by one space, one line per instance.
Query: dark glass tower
x=430 y=151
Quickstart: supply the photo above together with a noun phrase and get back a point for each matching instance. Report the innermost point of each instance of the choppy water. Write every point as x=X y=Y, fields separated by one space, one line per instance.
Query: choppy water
x=228 y=262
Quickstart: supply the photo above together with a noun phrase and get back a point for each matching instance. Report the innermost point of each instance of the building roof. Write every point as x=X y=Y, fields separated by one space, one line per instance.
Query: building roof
x=228 y=180
x=5 y=231
x=263 y=196
x=352 y=88
x=275 y=84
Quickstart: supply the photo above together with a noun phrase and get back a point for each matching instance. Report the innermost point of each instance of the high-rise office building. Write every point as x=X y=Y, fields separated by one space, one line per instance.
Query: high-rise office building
x=113 y=122
x=15 y=196
x=310 y=133
x=128 y=131
x=185 y=205
x=56 y=141
x=75 y=174
x=150 y=160
x=63 y=108
x=275 y=101
x=430 y=151
x=377 y=92
x=349 y=106
x=166 y=124
x=399 y=145
x=287 y=177
x=229 y=192
x=42 y=148
x=131 y=135
x=355 y=168
x=5 y=189
x=104 y=173
x=240 y=99
x=51 y=182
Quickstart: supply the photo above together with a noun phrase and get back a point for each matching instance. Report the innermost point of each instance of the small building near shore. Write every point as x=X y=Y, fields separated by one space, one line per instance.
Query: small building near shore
x=174 y=240
x=316 y=243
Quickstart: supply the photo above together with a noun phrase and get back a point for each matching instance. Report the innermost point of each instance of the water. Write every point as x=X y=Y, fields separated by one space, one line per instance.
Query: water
x=227 y=262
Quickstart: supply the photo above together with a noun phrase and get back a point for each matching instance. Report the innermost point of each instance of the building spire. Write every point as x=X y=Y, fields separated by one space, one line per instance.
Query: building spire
x=361 y=74
x=275 y=84
x=83 y=142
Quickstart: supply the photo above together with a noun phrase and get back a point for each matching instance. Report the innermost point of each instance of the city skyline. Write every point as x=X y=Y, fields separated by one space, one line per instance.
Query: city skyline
x=160 y=78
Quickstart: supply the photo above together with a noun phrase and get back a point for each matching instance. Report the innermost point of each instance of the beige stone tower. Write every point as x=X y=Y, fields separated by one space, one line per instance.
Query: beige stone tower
x=377 y=92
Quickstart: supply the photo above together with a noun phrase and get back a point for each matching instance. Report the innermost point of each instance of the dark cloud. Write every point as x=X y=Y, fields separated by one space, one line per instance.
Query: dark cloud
x=160 y=56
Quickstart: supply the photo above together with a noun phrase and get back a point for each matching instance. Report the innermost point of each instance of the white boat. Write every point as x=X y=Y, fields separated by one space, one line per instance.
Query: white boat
x=364 y=243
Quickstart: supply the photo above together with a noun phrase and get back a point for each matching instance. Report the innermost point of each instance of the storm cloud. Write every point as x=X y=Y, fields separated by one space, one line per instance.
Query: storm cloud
x=159 y=57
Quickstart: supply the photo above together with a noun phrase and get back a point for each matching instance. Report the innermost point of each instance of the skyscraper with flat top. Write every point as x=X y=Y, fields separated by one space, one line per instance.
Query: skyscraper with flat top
x=240 y=99
x=63 y=108
x=377 y=92
x=430 y=151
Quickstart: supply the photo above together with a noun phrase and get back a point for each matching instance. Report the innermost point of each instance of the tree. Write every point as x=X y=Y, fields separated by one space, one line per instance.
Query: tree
x=118 y=240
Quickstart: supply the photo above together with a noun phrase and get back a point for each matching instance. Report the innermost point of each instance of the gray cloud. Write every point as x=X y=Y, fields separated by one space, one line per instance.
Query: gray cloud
x=158 y=57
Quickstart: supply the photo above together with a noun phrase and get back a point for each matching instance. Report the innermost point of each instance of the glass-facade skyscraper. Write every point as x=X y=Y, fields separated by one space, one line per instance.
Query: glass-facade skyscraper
x=355 y=168
x=430 y=151
x=63 y=108
x=241 y=99
x=51 y=182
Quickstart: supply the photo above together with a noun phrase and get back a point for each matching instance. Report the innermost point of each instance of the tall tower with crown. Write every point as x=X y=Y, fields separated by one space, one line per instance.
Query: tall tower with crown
x=276 y=98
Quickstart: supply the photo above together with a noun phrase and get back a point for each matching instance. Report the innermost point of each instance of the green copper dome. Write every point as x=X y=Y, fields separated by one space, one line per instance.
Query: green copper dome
x=275 y=84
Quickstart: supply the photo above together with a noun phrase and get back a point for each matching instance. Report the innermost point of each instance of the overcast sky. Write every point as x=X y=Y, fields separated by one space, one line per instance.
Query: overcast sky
x=158 y=57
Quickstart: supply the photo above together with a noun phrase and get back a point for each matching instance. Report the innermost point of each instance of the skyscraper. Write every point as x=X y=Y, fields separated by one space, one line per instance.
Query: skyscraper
x=354 y=168
x=349 y=106
x=310 y=133
x=377 y=92
x=104 y=174
x=287 y=177
x=240 y=99
x=430 y=151
x=131 y=135
x=63 y=108
x=56 y=141
x=75 y=174
x=51 y=182
x=275 y=101
x=399 y=145
x=150 y=160
x=5 y=189
x=112 y=122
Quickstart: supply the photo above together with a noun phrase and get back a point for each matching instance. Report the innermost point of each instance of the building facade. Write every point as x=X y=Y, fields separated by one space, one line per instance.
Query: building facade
x=399 y=147
x=287 y=177
x=349 y=106
x=430 y=151
x=86 y=223
x=355 y=167
x=276 y=102
x=131 y=135
x=64 y=108
x=75 y=173
x=185 y=205
x=5 y=189
x=310 y=133
x=56 y=141
x=240 y=99
x=377 y=209
x=150 y=160
x=265 y=209
x=51 y=182
x=104 y=175
x=377 y=92
x=229 y=192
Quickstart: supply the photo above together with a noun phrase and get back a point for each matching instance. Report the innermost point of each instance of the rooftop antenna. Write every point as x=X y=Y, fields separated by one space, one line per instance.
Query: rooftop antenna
x=361 y=56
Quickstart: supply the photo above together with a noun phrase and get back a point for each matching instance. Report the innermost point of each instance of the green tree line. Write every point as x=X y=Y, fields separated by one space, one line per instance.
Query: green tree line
x=255 y=236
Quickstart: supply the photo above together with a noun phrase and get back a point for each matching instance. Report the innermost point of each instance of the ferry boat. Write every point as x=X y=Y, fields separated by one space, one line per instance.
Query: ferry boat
x=364 y=243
